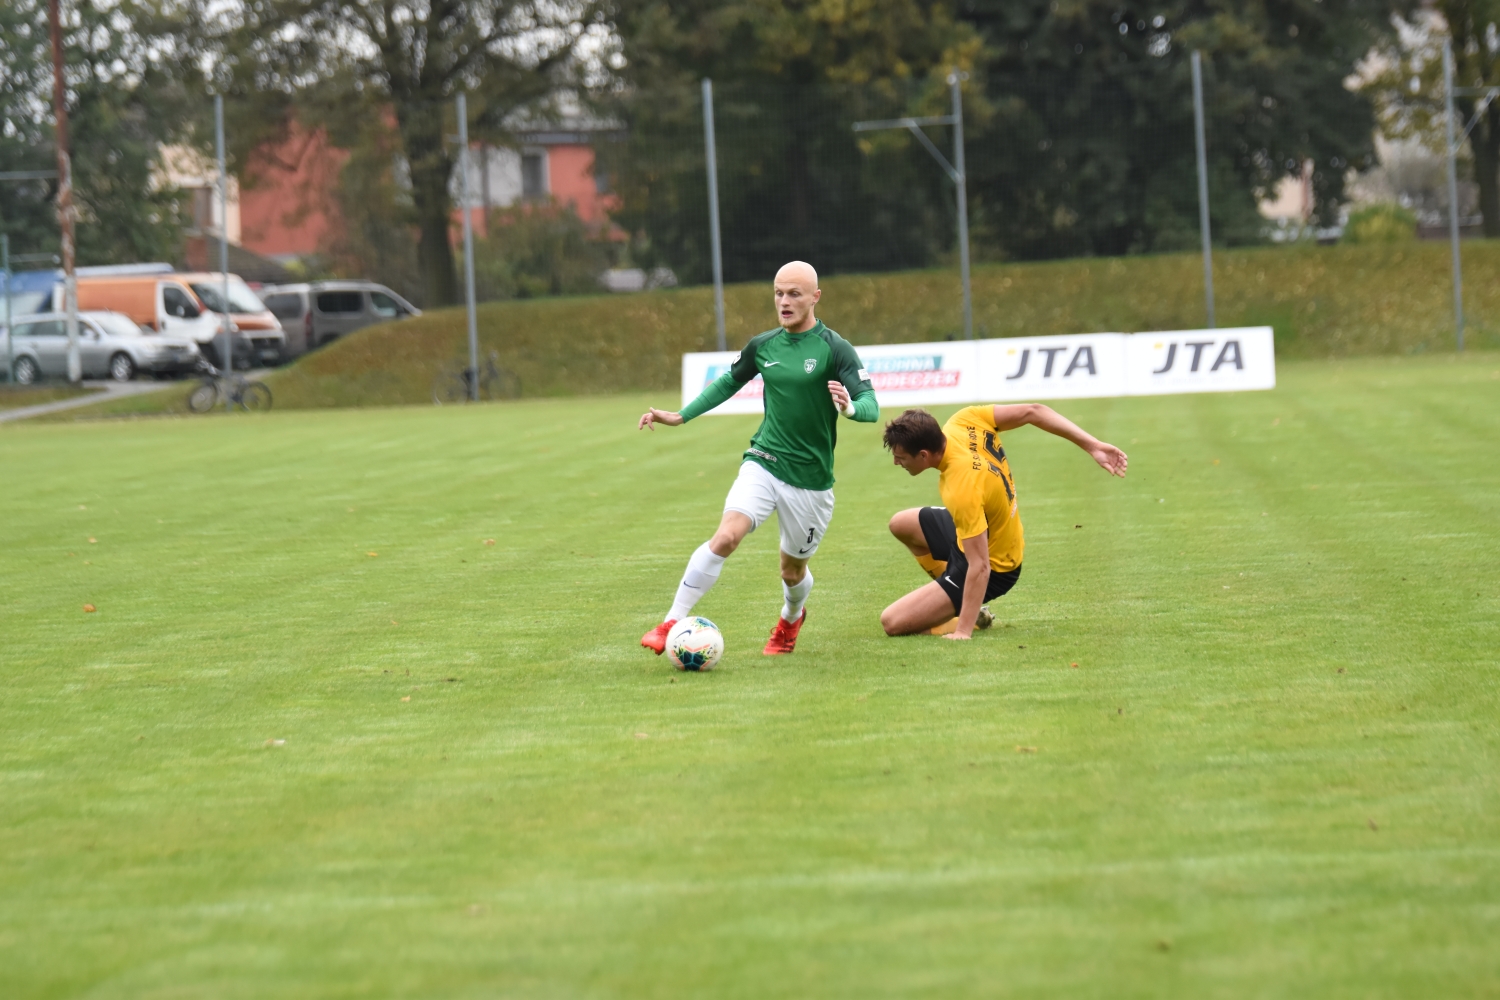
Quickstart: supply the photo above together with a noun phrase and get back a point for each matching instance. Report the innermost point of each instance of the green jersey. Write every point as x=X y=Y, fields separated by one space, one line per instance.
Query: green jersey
x=795 y=440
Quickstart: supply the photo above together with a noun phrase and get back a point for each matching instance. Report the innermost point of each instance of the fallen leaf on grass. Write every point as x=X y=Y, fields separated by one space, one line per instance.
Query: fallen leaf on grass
x=642 y=736
x=372 y=554
x=394 y=622
x=1073 y=665
x=93 y=541
x=89 y=609
x=1341 y=669
x=407 y=698
x=1025 y=749
x=489 y=541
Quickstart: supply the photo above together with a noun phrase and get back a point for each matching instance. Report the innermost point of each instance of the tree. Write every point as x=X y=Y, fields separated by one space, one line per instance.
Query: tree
x=408 y=58
x=1091 y=147
x=1409 y=87
x=123 y=105
x=794 y=179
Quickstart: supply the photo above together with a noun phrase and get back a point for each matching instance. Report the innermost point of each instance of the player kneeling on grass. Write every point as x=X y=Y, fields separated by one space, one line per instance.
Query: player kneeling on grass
x=811 y=376
x=972 y=545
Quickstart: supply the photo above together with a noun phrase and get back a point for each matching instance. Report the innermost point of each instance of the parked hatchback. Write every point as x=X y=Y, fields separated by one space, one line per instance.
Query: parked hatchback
x=318 y=312
x=110 y=345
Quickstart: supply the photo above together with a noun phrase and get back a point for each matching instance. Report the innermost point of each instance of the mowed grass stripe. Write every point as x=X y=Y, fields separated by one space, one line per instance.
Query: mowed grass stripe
x=568 y=817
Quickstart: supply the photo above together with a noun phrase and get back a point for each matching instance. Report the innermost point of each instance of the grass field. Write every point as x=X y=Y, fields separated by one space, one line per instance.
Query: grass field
x=1273 y=771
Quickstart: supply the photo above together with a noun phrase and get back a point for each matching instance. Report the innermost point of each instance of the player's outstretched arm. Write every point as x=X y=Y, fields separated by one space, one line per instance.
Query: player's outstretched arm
x=655 y=416
x=862 y=408
x=1013 y=415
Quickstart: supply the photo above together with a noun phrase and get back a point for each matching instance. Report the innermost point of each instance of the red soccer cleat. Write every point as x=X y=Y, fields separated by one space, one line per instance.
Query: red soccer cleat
x=784 y=636
x=656 y=639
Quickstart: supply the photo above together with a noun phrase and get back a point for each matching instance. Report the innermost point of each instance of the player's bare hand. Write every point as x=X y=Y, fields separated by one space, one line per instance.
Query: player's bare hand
x=958 y=636
x=655 y=416
x=1110 y=459
x=841 y=401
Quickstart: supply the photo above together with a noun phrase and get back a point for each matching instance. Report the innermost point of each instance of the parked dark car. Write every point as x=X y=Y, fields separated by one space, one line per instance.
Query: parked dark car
x=319 y=312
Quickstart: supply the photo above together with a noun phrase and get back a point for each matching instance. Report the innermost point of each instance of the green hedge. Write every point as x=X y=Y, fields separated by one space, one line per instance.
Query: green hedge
x=1322 y=301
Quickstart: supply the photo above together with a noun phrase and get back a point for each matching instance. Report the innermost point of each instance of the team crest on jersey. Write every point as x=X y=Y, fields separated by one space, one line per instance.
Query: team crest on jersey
x=809 y=365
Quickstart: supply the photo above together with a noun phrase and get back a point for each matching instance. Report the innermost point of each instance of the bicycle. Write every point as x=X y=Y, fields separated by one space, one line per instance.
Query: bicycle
x=215 y=387
x=455 y=383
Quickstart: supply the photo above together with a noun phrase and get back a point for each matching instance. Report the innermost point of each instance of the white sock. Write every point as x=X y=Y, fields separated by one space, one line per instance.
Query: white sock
x=796 y=597
x=701 y=574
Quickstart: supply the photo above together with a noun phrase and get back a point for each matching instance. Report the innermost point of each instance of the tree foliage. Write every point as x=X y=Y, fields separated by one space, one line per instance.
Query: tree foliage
x=1078 y=116
x=1410 y=89
x=123 y=101
x=1091 y=147
x=406 y=59
x=794 y=179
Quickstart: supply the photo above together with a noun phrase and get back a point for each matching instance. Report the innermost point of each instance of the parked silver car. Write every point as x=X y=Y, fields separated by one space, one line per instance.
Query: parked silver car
x=110 y=345
x=319 y=312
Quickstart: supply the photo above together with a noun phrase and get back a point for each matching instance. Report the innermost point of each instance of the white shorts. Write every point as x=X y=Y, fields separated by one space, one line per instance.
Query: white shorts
x=803 y=514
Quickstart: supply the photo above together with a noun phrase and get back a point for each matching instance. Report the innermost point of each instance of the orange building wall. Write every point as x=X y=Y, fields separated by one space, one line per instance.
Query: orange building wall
x=570 y=175
x=287 y=201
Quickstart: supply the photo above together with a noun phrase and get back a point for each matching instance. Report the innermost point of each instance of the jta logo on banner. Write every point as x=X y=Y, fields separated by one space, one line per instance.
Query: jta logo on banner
x=1069 y=367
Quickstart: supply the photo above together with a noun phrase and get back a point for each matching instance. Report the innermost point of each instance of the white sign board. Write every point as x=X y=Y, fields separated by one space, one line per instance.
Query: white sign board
x=1074 y=366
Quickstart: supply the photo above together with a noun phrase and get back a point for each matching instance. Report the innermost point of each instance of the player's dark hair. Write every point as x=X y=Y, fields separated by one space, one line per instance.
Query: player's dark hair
x=914 y=431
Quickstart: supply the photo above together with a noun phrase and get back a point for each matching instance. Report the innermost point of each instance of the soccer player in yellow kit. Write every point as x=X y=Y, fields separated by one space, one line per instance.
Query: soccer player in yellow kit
x=972 y=545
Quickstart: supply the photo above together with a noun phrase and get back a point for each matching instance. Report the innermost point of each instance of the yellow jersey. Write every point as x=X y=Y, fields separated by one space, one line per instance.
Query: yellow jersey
x=975 y=483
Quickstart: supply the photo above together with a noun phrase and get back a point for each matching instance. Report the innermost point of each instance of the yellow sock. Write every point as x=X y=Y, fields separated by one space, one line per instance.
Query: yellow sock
x=933 y=566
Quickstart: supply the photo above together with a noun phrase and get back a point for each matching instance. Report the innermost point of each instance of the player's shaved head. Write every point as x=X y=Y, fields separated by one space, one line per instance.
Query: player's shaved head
x=798 y=272
x=796 y=293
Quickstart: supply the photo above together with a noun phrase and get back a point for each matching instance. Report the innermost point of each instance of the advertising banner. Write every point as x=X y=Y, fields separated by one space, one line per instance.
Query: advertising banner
x=1074 y=366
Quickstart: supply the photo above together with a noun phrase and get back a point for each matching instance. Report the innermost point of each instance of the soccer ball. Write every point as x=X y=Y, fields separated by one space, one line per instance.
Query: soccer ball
x=695 y=644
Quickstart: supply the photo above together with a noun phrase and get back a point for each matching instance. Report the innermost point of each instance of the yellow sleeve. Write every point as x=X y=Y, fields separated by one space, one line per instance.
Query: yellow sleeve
x=980 y=416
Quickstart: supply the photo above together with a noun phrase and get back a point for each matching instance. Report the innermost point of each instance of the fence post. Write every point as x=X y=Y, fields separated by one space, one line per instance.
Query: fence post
x=1201 y=142
x=712 y=162
x=961 y=184
x=10 y=354
x=463 y=201
x=1458 y=267
x=228 y=357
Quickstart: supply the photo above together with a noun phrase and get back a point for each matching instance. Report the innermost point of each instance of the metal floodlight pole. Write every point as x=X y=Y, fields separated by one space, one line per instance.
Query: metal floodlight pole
x=464 y=200
x=65 y=210
x=956 y=174
x=1458 y=272
x=712 y=163
x=228 y=355
x=1201 y=141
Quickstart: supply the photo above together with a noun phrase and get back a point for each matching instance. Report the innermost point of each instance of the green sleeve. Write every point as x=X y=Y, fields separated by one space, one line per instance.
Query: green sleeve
x=866 y=409
x=861 y=392
x=741 y=370
x=712 y=395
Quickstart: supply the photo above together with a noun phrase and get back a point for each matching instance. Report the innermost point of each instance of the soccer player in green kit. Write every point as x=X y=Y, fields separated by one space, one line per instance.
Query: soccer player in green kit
x=812 y=375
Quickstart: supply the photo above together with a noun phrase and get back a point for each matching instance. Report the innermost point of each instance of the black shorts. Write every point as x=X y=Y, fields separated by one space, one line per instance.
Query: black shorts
x=942 y=542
